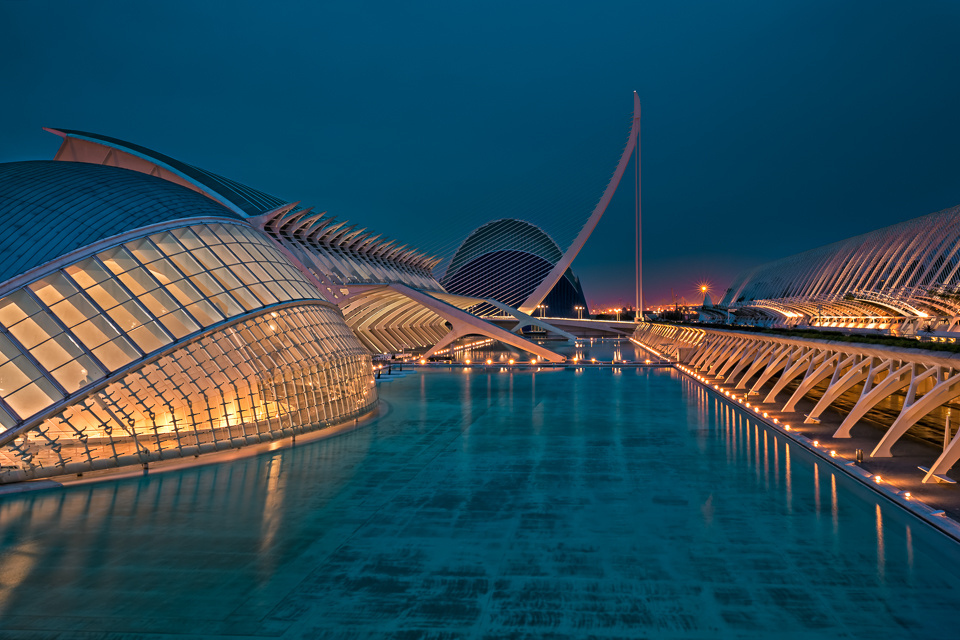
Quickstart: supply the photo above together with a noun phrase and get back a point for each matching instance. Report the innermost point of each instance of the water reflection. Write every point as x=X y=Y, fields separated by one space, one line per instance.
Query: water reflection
x=881 y=555
x=564 y=493
x=743 y=441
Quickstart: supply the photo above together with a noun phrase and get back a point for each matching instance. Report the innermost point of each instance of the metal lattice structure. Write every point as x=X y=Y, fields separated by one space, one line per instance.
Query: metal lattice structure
x=899 y=278
x=506 y=260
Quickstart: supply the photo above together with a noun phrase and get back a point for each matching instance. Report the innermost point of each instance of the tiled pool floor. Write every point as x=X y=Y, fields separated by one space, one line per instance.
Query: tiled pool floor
x=487 y=505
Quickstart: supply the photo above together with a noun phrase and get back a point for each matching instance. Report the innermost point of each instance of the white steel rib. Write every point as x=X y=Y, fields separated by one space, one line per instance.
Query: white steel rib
x=560 y=268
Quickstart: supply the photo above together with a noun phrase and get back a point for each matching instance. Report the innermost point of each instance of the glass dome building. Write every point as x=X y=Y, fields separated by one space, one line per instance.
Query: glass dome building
x=142 y=321
x=506 y=260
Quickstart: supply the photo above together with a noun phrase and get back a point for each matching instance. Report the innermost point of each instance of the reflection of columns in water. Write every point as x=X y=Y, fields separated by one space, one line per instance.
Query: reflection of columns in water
x=834 y=507
x=756 y=448
x=909 y=551
x=786 y=452
x=466 y=407
x=776 y=461
x=272 y=509
x=728 y=431
x=766 y=462
x=816 y=488
x=881 y=553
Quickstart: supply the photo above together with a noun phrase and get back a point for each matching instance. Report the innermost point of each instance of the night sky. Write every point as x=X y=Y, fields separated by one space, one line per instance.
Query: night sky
x=768 y=127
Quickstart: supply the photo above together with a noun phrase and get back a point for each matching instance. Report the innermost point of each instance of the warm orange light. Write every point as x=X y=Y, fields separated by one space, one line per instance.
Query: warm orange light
x=877 y=479
x=533 y=361
x=423 y=361
x=510 y=361
x=467 y=361
x=906 y=495
x=489 y=361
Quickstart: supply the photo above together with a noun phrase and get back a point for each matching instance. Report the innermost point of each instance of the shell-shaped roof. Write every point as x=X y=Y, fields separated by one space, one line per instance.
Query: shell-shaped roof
x=506 y=234
x=50 y=208
x=244 y=199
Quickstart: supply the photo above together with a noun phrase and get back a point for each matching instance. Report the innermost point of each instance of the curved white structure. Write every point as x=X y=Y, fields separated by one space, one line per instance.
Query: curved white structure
x=535 y=298
x=899 y=279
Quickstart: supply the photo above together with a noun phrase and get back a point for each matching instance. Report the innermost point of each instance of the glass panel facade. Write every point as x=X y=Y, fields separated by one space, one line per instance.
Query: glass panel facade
x=271 y=376
x=76 y=325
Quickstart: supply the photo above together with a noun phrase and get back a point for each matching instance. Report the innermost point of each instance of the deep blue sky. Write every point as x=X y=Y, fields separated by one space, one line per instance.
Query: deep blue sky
x=768 y=127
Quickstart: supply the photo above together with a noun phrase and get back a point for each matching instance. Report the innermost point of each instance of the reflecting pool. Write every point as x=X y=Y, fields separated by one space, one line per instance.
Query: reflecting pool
x=615 y=503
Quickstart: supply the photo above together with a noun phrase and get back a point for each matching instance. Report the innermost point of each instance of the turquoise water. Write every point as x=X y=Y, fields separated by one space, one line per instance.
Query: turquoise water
x=559 y=504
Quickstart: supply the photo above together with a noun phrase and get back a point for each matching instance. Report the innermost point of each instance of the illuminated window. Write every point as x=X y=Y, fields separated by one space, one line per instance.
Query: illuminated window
x=34 y=397
x=108 y=294
x=33 y=330
x=116 y=353
x=74 y=310
x=16 y=307
x=117 y=260
x=129 y=315
x=164 y=271
x=187 y=264
x=187 y=238
x=144 y=250
x=53 y=288
x=138 y=281
x=78 y=373
x=149 y=337
x=167 y=243
x=204 y=312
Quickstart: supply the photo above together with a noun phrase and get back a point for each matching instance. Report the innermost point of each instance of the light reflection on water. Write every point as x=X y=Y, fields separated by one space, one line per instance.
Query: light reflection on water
x=603 y=349
x=634 y=503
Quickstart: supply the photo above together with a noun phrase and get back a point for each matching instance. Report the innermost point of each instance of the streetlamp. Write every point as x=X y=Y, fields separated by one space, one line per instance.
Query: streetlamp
x=543 y=309
x=618 y=314
x=579 y=312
